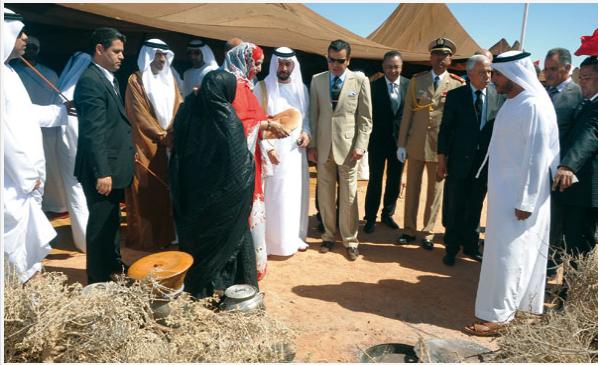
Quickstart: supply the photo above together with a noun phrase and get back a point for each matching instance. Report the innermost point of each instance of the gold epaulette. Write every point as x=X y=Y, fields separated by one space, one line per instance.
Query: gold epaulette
x=457 y=77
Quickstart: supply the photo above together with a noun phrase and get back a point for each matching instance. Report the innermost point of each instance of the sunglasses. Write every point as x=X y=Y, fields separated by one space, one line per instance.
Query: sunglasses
x=340 y=61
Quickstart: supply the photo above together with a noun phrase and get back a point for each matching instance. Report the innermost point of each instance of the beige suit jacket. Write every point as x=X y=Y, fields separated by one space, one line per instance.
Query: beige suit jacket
x=346 y=127
x=422 y=115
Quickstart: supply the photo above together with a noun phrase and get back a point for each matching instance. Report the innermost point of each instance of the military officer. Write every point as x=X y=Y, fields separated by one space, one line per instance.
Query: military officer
x=418 y=138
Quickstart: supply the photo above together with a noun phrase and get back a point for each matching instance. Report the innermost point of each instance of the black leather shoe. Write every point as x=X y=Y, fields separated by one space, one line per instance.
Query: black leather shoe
x=476 y=256
x=448 y=260
x=369 y=226
x=353 y=253
x=389 y=222
x=427 y=244
x=326 y=246
x=405 y=239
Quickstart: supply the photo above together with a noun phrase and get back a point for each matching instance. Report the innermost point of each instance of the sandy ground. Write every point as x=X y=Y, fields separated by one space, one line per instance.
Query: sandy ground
x=391 y=294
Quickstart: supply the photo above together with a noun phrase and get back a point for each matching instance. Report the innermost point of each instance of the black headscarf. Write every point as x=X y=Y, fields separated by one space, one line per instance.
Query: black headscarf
x=212 y=180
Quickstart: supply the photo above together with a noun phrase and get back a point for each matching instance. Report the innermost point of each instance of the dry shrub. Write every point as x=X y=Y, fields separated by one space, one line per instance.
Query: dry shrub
x=48 y=320
x=567 y=335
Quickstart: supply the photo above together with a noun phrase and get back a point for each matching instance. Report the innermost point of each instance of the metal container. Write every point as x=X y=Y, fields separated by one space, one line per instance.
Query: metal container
x=242 y=297
x=389 y=353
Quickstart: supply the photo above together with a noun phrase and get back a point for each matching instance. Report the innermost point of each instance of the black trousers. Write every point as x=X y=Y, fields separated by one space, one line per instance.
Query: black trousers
x=556 y=234
x=463 y=201
x=103 y=238
x=579 y=226
x=394 y=170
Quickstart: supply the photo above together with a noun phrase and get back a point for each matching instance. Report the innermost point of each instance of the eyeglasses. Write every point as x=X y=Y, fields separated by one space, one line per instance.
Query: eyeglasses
x=340 y=61
x=193 y=52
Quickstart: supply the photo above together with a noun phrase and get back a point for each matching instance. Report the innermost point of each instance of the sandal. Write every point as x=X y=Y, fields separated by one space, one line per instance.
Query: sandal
x=484 y=329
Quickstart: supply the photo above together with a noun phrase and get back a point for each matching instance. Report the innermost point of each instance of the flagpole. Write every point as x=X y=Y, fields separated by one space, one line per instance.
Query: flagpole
x=523 y=25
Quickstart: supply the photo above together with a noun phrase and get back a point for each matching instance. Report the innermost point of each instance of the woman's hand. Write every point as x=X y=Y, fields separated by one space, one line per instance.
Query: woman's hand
x=274 y=127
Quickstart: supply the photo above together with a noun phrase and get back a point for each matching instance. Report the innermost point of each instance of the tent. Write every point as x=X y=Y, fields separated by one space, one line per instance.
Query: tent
x=271 y=25
x=411 y=27
x=500 y=47
x=65 y=28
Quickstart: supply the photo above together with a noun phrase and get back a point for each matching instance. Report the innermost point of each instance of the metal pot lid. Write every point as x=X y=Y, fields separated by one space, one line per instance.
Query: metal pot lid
x=240 y=292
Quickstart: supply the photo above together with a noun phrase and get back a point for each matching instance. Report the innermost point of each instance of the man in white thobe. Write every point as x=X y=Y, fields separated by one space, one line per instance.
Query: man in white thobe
x=287 y=182
x=203 y=61
x=66 y=149
x=27 y=231
x=54 y=199
x=523 y=150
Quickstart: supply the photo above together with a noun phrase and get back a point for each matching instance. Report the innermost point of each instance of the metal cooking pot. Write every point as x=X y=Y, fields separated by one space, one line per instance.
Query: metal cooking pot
x=242 y=297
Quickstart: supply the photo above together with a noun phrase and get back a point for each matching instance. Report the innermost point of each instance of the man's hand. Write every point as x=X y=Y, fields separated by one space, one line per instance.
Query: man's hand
x=303 y=140
x=276 y=128
x=38 y=183
x=357 y=154
x=70 y=108
x=104 y=185
x=564 y=178
x=401 y=154
x=441 y=172
x=312 y=155
x=273 y=157
x=522 y=215
x=165 y=139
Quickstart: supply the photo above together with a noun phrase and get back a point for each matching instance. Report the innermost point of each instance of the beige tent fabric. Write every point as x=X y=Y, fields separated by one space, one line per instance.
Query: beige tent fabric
x=413 y=26
x=270 y=25
x=500 y=47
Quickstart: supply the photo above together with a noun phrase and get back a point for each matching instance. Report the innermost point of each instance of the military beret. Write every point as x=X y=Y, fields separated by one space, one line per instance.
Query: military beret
x=442 y=45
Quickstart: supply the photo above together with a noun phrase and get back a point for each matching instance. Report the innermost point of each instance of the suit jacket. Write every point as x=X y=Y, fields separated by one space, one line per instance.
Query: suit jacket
x=422 y=114
x=346 y=127
x=385 y=123
x=460 y=137
x=564 y=104
x=581 y=155
x=104 y=146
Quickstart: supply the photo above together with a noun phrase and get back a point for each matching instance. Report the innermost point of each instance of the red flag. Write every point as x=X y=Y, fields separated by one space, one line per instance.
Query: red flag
x=589 y=45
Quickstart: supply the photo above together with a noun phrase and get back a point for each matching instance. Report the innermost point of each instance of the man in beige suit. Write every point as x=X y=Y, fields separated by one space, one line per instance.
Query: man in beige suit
x=341 y=122
x=418 y=138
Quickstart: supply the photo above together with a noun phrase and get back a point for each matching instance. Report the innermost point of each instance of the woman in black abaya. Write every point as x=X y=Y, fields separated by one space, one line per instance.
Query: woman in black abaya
x=212 y=181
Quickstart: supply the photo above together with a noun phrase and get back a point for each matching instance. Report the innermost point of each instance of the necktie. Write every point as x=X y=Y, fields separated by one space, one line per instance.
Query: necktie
x=116 y=87
x=335 y=91
x=395 y=100
x=436 y=80
x=479 y=104
x=552 y=92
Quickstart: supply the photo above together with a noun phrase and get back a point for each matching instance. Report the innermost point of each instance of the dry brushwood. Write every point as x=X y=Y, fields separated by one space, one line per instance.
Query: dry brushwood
x=47 y=320
x=567 y=335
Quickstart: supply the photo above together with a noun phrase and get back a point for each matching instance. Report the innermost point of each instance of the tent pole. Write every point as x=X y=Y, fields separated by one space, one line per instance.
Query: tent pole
x=523 y=25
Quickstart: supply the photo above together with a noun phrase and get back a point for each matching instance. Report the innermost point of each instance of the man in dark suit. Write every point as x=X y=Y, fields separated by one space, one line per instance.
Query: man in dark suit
x=388 y=95
x=579 y=159
x=463 y=140
x=566 y=96
x=105 y=154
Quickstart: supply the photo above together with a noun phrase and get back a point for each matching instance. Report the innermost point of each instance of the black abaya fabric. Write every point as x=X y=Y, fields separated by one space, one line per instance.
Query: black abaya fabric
x=212 y=179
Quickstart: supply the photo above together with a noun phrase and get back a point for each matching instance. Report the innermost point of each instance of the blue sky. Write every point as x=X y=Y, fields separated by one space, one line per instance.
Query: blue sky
x=549 y=24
